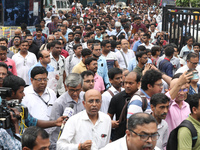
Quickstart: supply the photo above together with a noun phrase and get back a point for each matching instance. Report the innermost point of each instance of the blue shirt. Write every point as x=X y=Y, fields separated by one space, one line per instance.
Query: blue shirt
x=192 y=91
x=166 y=67
x=49 y=69
x=132 y=64
x=135 y=46
x=103 y=71
x=97 y=38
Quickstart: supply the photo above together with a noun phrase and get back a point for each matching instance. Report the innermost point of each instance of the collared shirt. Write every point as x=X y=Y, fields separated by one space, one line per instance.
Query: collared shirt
x=184 y=136
x=175 y=62
x=185 y=68
x=110 y=59
x=106 y=98
x=8 y=142
x=58 y=108
x=80 y=128
x=135 y=104
x=69 y=47
x=98 y=83
x=135 y=46
x=185 y=51
x=166 y=67
x=11 y=65
x=103 y=71
x=59 y=68
x=39 y=106
x=9 y=54
x=192 y=91
x=24 y=64
x=49 y=68
x=128 y=56
x=147 y=46
x=133 y=63
x=163 y=132
x=70 y=62
x=79 y=68
x=68 y=31
x=176 y=114
x=14 y=49
x=51 y=26
x=114 y=32
x=120 y=144
x=99 y=38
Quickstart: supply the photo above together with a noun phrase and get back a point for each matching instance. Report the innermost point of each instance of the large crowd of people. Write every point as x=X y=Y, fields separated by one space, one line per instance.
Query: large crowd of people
x=128 y=84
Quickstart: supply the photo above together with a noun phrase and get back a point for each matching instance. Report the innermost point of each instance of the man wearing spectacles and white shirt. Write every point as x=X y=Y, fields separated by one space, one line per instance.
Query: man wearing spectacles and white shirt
x=141 y=134
x=38 y=97
x=24 y=60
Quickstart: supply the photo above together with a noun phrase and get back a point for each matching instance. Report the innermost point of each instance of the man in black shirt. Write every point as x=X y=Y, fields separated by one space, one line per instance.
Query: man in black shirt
x=131 y=85
x=32 y=46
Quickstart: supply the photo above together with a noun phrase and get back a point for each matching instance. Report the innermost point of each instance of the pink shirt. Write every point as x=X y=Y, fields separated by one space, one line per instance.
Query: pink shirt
x=11 y=65
x=176 y=114
x=98 y=83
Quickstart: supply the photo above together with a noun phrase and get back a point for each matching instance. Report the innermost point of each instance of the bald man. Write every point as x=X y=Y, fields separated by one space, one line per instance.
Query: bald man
x=178 y=109
x=17 y=33
x=89 y=129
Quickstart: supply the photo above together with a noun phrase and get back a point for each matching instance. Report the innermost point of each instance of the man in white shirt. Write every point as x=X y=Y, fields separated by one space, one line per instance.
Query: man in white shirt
x=153 y=32
x=145 y=39
x=74 y=59
x=38 y=97
x=47 y=18
x=115 y=78
x=58 y=63
x=192 y=63
x=124 y=55
x=24 y=60
x=141 y=134
x=117 y=31
x=159 y=106
x=89 y=129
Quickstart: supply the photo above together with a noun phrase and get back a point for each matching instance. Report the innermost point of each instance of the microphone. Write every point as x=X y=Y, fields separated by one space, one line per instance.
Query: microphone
x=69 y=111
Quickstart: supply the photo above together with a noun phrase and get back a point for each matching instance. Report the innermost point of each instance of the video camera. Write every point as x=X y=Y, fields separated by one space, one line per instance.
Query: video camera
x=5 y=117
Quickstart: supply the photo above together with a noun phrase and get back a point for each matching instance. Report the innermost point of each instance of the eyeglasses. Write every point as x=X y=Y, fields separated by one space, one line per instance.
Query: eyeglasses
x=73 y=90
x=145 y=137
x=184 y=90
x=193 y=63
x=25 y=60
x=57 y=66
x=3 y=74
x=145 y=57
x=88 y=81
x=40 y=79
x=160 y=85
x=3 y=54
x=97 y=101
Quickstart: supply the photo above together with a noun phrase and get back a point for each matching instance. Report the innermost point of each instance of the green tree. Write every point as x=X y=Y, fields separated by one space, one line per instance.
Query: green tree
x=188 y=3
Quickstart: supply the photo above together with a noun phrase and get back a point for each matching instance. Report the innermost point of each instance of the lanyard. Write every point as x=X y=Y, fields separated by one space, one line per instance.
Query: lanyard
x=46 y=103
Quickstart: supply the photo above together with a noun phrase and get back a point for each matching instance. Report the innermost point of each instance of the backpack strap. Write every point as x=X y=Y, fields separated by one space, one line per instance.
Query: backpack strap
x=124 y=58
x=144 y=100
x=111 y=93
x=190 y=126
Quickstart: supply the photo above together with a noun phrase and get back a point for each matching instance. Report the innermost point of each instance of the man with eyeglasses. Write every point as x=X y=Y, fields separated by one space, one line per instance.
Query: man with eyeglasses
x=17 y=33
x=73 y=96
x=178 y=108
x=141 y=134
x=151 y=84
x=192 y=63
x=16 y=45
x=38 y=97
x=88 y=80
x=89 y=129
x=33 y=48
x=24 y=60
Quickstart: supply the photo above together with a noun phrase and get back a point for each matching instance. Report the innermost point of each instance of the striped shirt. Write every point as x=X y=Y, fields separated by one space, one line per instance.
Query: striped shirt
x=135 y=105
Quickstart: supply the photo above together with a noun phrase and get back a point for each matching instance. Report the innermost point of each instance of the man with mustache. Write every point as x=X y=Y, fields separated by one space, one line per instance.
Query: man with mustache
x=159 y=105
x=91 y=64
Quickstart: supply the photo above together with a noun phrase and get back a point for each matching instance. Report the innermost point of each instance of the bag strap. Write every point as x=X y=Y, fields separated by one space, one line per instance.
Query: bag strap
x=190 y=126
x=144 y=100
x=124 y=58
x=111 y=93
x=118 y=33
x=123 y=114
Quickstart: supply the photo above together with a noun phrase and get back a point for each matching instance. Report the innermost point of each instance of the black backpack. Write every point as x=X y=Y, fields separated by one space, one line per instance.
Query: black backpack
x=172 y=143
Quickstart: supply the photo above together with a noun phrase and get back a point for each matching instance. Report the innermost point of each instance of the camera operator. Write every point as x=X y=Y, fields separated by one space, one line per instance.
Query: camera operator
x=17 y=85
x=10 y=138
